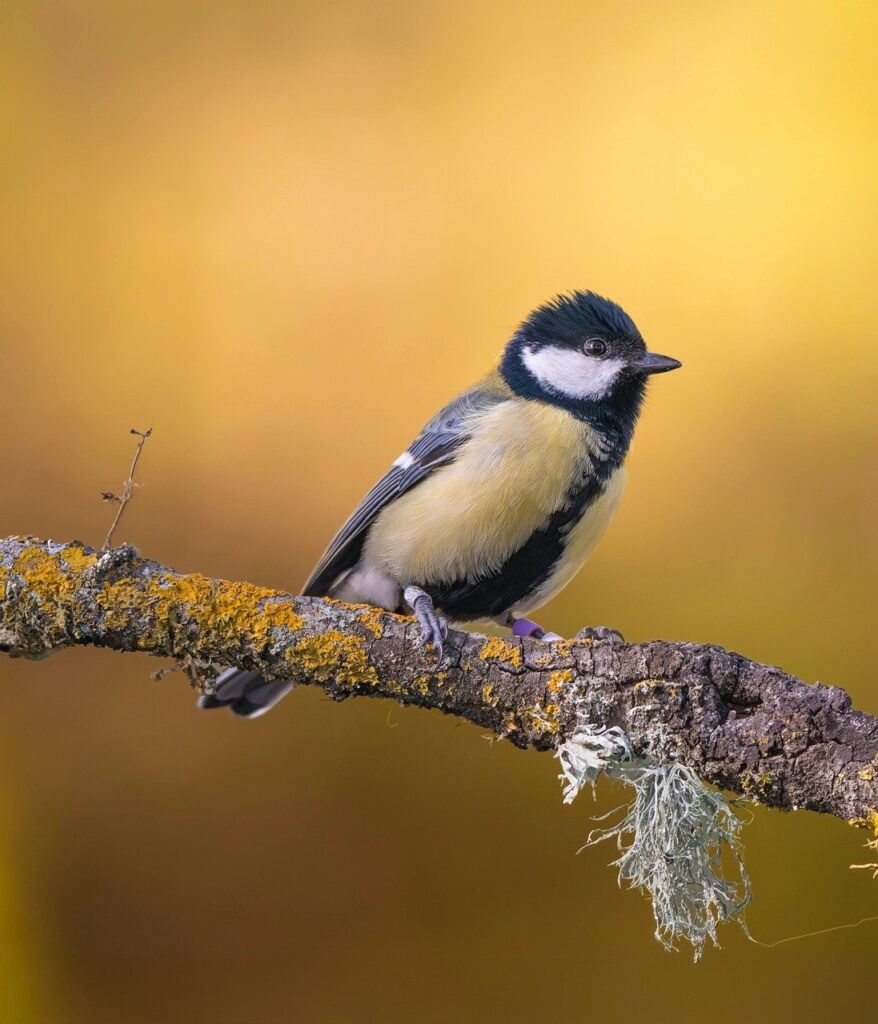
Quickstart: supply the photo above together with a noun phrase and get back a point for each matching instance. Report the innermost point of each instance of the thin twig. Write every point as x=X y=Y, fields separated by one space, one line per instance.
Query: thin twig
x=128 y=488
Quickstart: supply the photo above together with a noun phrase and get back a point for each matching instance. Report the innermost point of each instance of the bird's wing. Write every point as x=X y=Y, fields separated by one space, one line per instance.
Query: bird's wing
x=435 y=446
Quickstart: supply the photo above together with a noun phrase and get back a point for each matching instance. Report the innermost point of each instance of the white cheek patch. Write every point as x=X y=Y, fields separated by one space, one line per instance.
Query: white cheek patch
x=568 y=372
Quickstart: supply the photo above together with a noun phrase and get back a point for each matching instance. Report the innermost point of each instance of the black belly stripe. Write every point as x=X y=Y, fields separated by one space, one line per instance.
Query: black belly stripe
x=523 y=572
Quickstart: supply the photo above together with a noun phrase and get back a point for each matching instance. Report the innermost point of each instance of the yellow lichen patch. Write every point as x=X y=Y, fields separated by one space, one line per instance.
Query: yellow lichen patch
x=283 y=614
x=495 y=649
x=228 y=611
x=120 y=601
x=240 y=609
x=232 y=607
x=47 y=584
x=373 y=620
x=552 y=713
x=422 y=685
x=193 y=591
x=488 y=695
x=43 y=574
x=645 y=685
x=558 y=680
x=755 y=786
x=870 y=822
x=866 y=774
x=151 y=602
x=542 y=718
x=334 y=657
x=48 y=591
x=539 y=720
x=77 y=559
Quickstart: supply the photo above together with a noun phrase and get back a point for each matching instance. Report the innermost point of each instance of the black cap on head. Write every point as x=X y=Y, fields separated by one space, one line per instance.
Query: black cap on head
x=570 y=317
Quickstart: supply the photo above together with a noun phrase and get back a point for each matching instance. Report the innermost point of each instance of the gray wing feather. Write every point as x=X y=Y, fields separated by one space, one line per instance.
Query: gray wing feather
x=435 y=446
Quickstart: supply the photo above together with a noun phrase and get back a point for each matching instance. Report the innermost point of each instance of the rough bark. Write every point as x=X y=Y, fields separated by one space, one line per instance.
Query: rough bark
x=746 y=727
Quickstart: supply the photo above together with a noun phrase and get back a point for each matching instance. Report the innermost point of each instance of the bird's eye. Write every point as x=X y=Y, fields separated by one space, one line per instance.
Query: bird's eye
x=595 y=347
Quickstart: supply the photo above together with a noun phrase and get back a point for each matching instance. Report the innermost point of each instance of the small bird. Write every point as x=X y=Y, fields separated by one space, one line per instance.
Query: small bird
x=502 y=496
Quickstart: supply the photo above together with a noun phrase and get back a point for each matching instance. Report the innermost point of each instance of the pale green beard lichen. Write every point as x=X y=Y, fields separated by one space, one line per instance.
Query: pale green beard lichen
x=678 y=838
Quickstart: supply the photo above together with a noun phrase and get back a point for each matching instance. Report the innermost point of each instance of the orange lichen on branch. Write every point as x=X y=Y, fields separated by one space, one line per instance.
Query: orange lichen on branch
x=332 y=657
x=77 y=558
x=543 y=719
x=422 y=685
x=373 y=620
x=238 y=608
x=495 y=649
x=755 y=787
x=222 y=610
x=537 y=722
x=121 y=601
x=150 y=606
x=45 y=602
x=558 y=681
x=870 y=821
x=44 y=574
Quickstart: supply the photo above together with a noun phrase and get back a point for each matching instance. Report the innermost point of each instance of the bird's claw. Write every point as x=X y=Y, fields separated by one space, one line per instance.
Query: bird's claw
x=434 y=629
x=613 y=636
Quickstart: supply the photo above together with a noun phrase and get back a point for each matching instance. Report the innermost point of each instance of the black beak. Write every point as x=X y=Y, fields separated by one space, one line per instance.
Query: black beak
x=652 y=362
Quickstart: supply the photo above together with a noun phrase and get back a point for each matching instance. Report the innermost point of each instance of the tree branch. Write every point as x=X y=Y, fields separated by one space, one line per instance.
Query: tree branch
x=746 y=727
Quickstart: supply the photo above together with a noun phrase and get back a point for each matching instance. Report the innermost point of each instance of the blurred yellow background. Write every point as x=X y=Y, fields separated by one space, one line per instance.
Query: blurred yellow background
x=282 y=235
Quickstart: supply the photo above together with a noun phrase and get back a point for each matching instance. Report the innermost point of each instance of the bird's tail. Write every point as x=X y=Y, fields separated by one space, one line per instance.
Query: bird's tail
x=245 y=693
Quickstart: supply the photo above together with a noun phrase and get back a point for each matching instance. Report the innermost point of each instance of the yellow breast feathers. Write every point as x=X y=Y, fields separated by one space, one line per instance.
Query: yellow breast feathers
x=467 y=518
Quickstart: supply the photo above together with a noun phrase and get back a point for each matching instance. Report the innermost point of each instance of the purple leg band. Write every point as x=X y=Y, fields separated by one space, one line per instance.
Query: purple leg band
x=524 y=627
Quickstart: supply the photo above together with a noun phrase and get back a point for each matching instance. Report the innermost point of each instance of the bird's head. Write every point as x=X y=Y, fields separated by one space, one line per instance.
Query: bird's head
x=582 y=352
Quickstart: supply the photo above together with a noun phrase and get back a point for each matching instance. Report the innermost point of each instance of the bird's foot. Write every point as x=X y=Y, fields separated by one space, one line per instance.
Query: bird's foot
x=525 y=627
x=601 y=633
x=434 y=629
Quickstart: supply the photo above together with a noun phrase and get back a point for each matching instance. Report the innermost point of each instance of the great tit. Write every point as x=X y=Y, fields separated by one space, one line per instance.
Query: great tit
x=504 y=493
